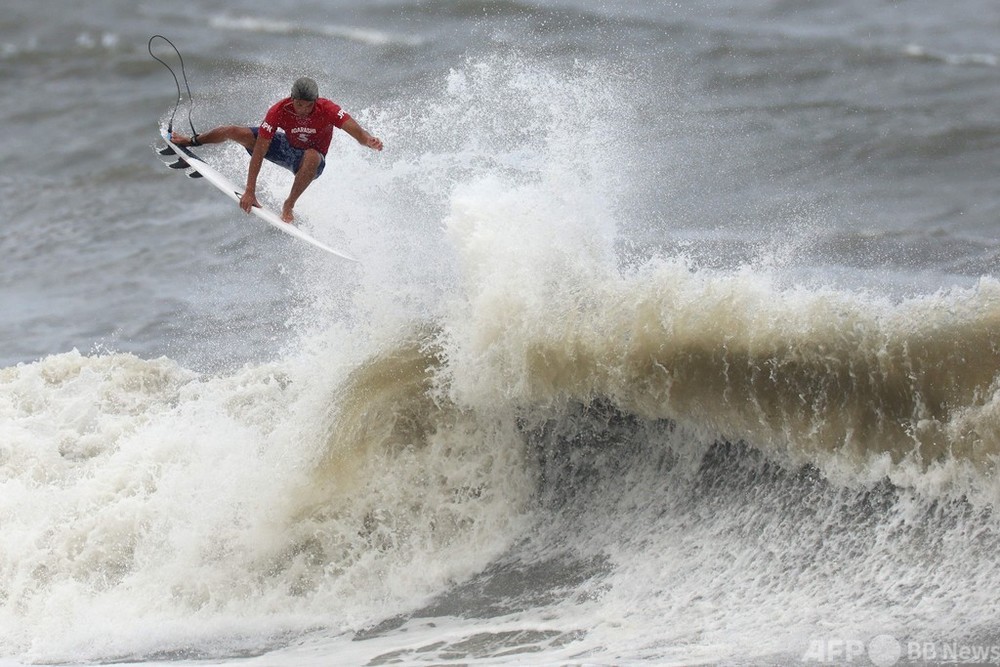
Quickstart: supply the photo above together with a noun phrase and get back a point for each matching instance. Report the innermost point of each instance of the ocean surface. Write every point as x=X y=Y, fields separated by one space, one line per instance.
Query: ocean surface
x=675 y=337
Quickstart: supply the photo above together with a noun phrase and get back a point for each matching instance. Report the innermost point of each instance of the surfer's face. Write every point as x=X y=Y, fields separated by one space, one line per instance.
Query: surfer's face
x=303 y=107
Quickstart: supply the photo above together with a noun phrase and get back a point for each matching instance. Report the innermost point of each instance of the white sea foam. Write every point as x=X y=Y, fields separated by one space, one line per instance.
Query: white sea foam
x=983 y=59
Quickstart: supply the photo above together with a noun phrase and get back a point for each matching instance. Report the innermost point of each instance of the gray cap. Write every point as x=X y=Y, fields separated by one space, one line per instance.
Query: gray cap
x=305 y=88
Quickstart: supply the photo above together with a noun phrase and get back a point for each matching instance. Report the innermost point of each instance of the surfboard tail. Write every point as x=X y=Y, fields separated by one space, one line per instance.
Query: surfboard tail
x=166 y=151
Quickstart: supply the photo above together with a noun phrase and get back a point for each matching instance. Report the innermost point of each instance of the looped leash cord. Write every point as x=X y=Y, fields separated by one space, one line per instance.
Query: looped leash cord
x=170 y=125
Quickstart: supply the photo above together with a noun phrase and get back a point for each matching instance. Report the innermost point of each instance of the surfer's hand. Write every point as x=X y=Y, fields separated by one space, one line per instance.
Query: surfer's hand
x=248 y=201
x=373 y=143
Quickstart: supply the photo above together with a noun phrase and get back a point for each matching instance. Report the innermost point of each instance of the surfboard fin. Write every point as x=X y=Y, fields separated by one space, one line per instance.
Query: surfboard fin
x=180 y=164
x=167 y=150
x=194 y=174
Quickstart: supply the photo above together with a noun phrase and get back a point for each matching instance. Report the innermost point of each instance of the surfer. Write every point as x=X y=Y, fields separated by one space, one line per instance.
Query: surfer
x=308 y=121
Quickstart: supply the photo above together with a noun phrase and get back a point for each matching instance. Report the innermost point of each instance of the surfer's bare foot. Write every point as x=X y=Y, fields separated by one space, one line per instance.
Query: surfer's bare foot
x=286 y=214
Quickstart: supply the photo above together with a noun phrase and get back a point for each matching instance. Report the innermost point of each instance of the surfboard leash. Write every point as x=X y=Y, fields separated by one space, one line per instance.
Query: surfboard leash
x=170 y=125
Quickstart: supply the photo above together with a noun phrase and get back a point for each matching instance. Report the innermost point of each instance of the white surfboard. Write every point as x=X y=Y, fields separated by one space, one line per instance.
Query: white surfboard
x=182 y=158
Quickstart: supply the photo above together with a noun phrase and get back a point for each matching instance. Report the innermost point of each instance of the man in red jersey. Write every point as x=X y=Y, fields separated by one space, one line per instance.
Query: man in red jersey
x=308 y=121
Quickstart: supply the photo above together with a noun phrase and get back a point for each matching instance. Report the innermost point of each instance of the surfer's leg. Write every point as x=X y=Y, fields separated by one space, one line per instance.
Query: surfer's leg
x=311 y=160
x=239 y=133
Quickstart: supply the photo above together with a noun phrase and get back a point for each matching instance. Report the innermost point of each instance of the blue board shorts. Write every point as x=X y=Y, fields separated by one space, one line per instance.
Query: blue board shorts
x=282 y=153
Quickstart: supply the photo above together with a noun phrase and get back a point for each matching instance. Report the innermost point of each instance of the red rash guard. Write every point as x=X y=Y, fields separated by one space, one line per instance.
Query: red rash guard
x=312 y=131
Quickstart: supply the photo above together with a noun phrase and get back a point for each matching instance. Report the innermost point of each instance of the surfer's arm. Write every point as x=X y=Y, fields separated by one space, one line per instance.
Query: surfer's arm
x=361 y=135
x=249 y=198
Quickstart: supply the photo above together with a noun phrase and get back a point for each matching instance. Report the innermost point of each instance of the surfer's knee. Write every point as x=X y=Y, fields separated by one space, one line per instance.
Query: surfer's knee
x=241 y=134
x=311 y=160
x=311 y=157
x=312 y=163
